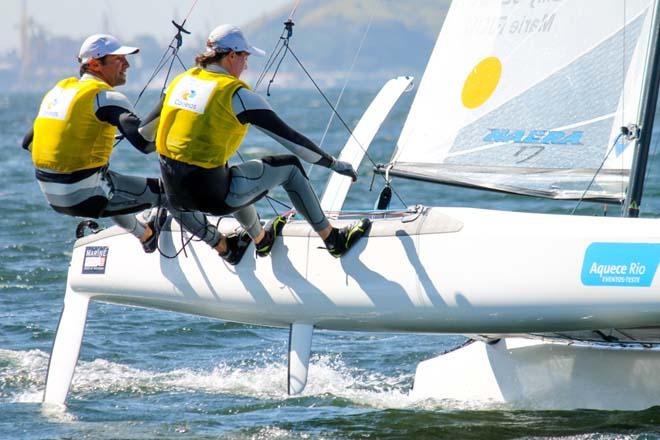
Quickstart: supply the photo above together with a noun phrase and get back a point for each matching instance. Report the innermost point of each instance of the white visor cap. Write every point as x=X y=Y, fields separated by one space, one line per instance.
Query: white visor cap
x=100 y=45
x=228 y=37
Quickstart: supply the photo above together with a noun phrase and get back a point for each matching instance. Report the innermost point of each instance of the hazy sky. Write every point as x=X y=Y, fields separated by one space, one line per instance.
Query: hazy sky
x=127 y=18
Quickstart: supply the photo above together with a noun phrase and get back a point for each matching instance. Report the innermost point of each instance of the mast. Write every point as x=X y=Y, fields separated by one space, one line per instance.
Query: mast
x=647 y=113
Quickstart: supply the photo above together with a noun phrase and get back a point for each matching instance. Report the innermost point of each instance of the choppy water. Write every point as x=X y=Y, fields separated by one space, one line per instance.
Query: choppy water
x=154 y=375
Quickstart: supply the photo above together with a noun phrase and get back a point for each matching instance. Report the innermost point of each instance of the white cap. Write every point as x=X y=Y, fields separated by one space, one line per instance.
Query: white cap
x=100 y=45
x=228 y=37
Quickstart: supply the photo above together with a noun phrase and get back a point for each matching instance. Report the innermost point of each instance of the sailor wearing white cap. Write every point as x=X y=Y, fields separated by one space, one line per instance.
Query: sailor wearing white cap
x=206 y=114
x=100 y=45
x=227 y=37
x=73 y=136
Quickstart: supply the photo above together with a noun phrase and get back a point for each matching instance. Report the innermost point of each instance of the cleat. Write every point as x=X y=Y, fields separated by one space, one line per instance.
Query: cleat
x=237 y=244
x=342 y=240
x=156 y=224
x=273 y=230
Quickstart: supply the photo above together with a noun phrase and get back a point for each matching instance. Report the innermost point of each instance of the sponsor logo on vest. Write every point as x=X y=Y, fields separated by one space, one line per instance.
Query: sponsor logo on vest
x=185 y=99
x=546 y=137
x=620 y=264
x=191 y=94
x=56 y=103
x=51 y=108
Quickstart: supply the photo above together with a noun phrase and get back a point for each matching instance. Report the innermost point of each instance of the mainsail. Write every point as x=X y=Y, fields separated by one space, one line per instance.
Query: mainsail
x=529 y=97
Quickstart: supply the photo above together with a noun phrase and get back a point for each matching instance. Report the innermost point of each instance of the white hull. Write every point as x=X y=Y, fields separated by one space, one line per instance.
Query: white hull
x=441 y=270
x=525 y=373
x=447 y=270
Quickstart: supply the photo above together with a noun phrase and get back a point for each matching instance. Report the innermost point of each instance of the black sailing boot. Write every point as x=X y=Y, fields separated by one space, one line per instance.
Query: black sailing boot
x=341 y=240
x=237 y=244
x=156 y=224
x=273 y=229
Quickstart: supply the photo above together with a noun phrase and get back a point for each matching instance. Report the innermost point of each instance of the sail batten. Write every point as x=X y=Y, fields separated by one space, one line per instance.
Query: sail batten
x=556 y=184
x=547 y=86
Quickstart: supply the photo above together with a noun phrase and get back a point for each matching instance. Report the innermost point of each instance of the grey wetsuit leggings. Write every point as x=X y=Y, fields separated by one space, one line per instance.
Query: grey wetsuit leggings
x=222 y=191
x=106 y=193
x=253 y=179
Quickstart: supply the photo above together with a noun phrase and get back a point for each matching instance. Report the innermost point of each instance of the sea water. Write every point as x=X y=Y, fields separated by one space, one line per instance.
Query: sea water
x=146 y=374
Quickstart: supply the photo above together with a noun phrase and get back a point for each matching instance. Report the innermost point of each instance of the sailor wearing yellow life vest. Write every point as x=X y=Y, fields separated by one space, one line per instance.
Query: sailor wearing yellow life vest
x=205 y=116
x=72 y=138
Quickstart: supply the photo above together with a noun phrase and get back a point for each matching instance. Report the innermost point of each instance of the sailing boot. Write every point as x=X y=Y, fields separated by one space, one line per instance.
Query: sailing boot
x=341 y=240
x=273 y=230
x=156 y=224
x=237 y=244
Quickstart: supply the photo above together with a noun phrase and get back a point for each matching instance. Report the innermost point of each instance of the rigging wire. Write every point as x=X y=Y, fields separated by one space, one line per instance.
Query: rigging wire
x=284 y=40
x=271 y=60
x=164 y=59
x=288 y=30
x=286 y=34
x=341 y=93
x=174 y=46
x=624 y=132
x=288 y=25
x=343 y=122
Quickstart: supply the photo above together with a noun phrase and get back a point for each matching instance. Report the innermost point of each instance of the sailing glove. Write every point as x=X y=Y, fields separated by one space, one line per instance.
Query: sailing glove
x=344 y=168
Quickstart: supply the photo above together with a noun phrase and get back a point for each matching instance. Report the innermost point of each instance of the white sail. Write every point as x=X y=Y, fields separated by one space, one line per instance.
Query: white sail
x=528 y=96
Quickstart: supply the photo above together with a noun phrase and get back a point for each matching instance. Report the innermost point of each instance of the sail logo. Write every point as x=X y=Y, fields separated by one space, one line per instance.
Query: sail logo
x=545 y=137
x=481 y=82
x=620 y=264
x=191 y=94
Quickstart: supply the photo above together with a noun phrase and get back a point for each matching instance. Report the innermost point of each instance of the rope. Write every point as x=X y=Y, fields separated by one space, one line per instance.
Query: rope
x=193 y=237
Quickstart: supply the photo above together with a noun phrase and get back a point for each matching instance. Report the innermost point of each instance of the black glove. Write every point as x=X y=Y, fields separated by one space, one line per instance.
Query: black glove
x=344 y=168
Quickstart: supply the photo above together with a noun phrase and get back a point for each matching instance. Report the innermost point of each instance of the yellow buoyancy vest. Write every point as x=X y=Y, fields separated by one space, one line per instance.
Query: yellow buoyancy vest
x=68 y=136
x=197 y=125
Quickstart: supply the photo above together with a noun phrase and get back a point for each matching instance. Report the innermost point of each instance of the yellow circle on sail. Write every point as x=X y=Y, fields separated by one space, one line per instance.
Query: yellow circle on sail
x=481 y=82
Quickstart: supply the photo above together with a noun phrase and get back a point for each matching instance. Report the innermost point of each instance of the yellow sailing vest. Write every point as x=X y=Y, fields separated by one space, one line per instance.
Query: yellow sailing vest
x=68 y=136
x=197 y=125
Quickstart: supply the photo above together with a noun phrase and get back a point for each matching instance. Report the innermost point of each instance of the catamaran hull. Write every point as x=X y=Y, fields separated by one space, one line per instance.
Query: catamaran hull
x=528 y=373
x=448 y=270
x=441 y=270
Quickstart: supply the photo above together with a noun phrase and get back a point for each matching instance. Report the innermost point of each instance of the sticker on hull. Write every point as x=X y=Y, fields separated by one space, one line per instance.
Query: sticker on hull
x=620 y=264
x=95 y=259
